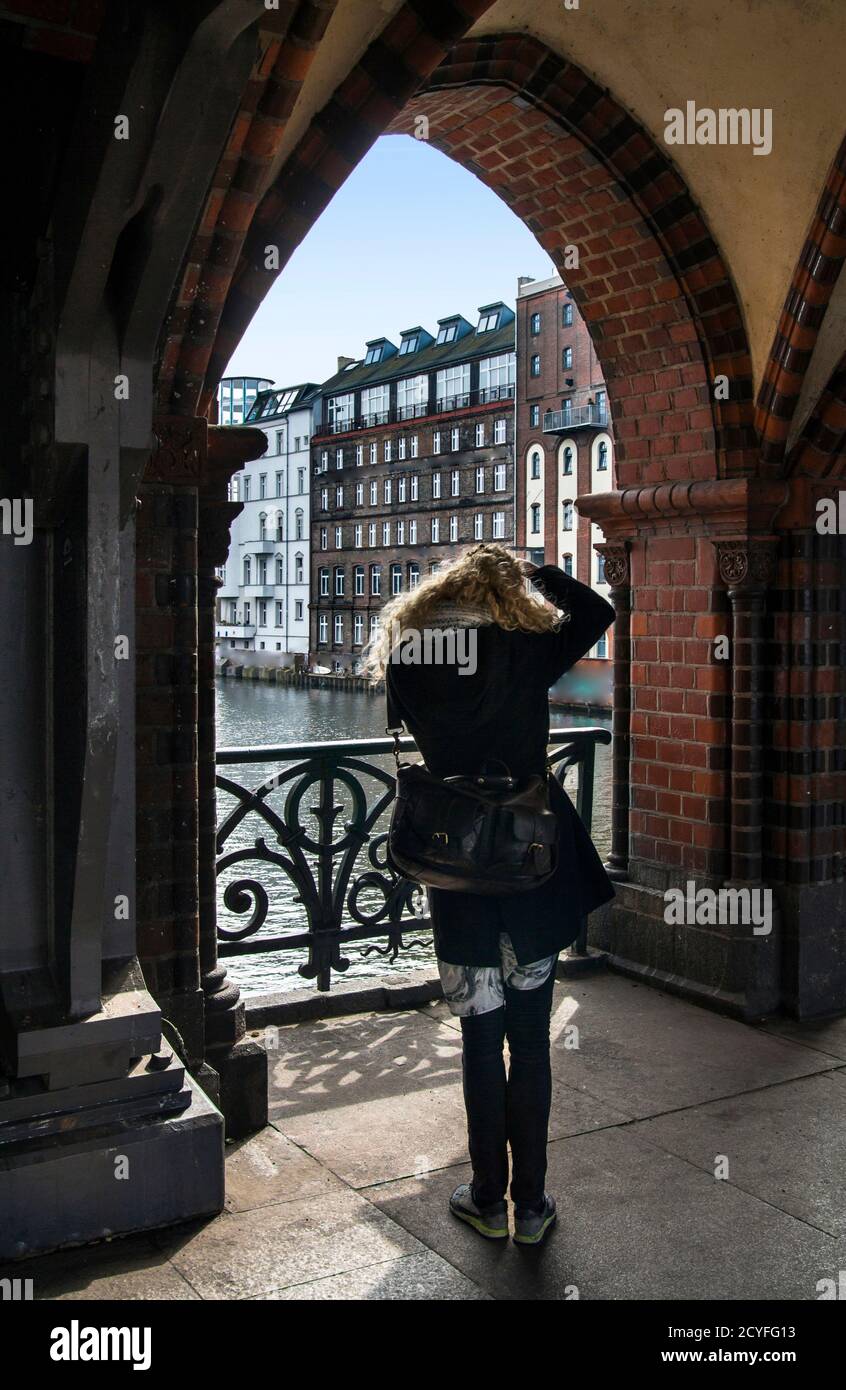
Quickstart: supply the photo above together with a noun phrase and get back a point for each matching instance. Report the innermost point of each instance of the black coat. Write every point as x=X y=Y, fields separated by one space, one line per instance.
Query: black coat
x=460 y=721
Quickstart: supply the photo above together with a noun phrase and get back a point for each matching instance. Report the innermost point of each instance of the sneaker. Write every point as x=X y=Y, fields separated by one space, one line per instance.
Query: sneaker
x=530 y=1227
x=491 y=1222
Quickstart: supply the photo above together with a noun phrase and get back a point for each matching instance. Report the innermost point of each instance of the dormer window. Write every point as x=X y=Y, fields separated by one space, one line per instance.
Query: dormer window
x=488 y=322
x=373 y=355
x=409 y=344
x=446 y=334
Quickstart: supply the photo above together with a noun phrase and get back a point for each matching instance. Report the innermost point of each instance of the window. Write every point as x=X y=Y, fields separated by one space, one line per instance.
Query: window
x=534 y=416
x=455 y=483
x=376 y=580
x=500 y=431
x=497 y=376
x=415 y=486
x=602 y=456
x=371 y=534
x=602 y=647
x=396 y=579
x=601 y=408
x=409 y=344
x=247 y=571
x=401 y=448
x=247 y=613
x=324 y=499
x=339 y=412
x=359 y=455
x=436 y=442
x=338 y=633
x=246 y=487
x=402 y=487
x=536 y=518
x=413 y=575
x=455 y=438
x=374 y=403
x=478 y=526
x=535 y=325
x=436 y=484
x=339 y=495
x=359 y=494
x=480 y=434
x=488 y=322
x=372 y=452
x=339 y=458
x=278 y=484
x=262 y=612
x=387 y=450
x=323 y=575
x=374 y=624
x=567 y=516
x=357 y=536
x=298 y=610
x=298 y=524
x=567 y=565
x=386 y=489
x=280 y=570
x=386 y=533
x=339 y=581
x=499 y=477
x=452 y=386
x=261 y=568
x=567 y=460
x=480 y=479
x=374 y=492
x=279 y=614
x=299 y=577
x=414 y=446
x=566 y=358
x=412 y=397
x=498 y=526
x=324 y=460
x=446 y=333
x=263 y=526
x=339 y=538
x=301 y=480
x=412 y=531
x=436 y=528
x=567 y=412
x=535 y=463
x=567 y=316
x=323 y=629
x=534 y=365
x=374 y=352
x=280 y=441
x=324 y=538
x=600 y=569
x=358 y=580
x=453 y=528
x=358 y=629
x=400 y=533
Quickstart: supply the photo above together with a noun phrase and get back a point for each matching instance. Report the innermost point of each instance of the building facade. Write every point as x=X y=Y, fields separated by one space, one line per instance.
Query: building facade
x=262 y=604
x=564 y=449
x=412 y=455
x=236 y=396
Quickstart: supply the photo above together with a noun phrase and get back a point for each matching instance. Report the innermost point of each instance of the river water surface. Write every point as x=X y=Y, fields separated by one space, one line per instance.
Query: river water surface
x=251 y=713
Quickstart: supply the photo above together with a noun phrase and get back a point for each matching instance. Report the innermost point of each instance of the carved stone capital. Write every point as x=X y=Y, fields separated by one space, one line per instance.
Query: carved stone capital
x=617 y=568
x=179 y=451
x=746 y=564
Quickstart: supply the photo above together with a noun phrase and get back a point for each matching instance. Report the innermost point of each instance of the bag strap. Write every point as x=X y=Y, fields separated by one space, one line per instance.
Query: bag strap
x=394 y=726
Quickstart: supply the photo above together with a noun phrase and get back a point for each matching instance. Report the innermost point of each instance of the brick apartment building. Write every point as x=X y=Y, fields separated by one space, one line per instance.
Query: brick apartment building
x=412 y=454
x=563 y=449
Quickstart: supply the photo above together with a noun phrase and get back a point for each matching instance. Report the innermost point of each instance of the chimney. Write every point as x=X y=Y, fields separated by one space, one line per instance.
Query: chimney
x=344 y=362
x=524 y=280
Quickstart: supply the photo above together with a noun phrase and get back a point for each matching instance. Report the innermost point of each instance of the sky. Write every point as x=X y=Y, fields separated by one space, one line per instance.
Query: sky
x=410 y=238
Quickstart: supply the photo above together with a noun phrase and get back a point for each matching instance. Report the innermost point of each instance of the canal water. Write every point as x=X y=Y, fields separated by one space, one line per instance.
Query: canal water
x=251 y=713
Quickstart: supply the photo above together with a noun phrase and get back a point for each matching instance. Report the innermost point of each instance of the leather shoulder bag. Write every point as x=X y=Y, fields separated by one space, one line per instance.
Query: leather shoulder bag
x=481 y=832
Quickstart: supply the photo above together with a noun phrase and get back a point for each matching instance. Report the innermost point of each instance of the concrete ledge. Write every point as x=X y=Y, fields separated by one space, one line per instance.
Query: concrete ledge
x=298 y=1006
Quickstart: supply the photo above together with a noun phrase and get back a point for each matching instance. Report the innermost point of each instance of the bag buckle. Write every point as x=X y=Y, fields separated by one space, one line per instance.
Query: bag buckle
x=440 y=837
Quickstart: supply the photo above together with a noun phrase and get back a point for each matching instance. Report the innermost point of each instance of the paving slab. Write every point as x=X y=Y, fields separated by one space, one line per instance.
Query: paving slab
x=648 y=1052
x=244 y=1254
x=826 y=1035
x=635 y=1223
x=422 y=1277
x=268 y=1168
x=784 y=1144
x=132 y=1268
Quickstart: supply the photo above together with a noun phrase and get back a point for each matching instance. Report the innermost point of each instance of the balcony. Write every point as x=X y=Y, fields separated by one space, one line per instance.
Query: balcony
x=578 y=418
x=238 y=631
x=487 y=395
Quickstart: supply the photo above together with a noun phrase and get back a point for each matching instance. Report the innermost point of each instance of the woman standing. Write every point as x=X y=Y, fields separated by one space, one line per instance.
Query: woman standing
x=497 y=955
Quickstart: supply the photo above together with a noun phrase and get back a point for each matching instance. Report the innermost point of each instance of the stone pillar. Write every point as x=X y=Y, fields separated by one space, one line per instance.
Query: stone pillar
x=240 y=1062
x=618 y=575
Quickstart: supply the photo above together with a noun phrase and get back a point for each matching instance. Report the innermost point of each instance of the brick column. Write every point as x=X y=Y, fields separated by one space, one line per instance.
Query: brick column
x=618 y=575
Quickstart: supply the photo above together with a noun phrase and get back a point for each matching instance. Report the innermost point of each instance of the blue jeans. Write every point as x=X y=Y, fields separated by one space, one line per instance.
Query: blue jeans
x=513 y=1109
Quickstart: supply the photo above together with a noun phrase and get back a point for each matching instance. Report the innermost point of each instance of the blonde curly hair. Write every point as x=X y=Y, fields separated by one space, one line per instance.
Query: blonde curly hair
x=487 y=576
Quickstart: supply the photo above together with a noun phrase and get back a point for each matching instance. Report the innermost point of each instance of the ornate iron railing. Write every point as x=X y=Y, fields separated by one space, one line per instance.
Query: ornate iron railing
x=342 y=898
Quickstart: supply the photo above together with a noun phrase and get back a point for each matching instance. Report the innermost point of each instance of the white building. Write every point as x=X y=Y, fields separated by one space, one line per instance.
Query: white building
x=263 y=599
x=236 y=396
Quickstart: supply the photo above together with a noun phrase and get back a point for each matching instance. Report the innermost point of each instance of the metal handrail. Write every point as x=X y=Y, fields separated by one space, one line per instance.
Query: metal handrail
x=321 y=868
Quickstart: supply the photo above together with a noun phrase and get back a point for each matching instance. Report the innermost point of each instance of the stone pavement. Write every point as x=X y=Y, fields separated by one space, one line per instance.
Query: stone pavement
x=344 y=1195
